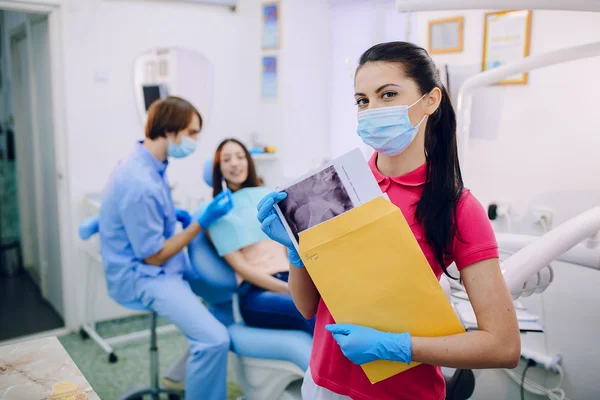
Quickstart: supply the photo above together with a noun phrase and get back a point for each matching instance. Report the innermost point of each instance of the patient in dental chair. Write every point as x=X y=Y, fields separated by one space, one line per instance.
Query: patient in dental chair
x=261 y=265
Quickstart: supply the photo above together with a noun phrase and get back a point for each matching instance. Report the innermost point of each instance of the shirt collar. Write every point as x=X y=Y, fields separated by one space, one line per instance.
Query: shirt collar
x=413 y=178
x=159 y=166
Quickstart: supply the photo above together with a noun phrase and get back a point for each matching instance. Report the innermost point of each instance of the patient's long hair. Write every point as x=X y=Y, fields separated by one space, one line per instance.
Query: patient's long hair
x=251 y=181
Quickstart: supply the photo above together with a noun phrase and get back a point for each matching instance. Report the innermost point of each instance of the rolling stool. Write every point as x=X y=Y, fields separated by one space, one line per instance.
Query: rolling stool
x=154 y=390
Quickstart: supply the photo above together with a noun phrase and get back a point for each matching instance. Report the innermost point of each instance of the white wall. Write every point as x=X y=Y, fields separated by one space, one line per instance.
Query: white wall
x=355 y=27
x=540 y=148
x=102 y=118
x=303 y=81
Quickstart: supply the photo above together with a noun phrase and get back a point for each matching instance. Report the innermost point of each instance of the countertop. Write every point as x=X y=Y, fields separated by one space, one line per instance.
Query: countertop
x=28 y=370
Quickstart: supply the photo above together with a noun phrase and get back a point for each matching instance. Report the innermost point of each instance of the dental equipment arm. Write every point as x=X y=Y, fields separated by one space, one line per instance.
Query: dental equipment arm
x=533 y=258
x=484 y=79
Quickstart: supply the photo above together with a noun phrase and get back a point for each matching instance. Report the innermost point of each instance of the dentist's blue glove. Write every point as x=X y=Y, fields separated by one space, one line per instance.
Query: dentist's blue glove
x=361 y=344
x=271 y=225
x=218 y=207
x=184 y=217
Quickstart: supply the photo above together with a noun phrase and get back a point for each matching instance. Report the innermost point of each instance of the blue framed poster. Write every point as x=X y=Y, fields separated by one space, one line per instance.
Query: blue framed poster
x=271 y=25
x=269 y=77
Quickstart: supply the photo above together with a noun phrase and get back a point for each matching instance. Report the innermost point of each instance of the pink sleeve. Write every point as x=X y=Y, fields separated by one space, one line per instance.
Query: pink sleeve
x=474 y=240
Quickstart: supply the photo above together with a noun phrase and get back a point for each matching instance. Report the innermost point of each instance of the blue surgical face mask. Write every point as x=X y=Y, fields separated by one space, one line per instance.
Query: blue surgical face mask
x=183 y=149
x=388 y=130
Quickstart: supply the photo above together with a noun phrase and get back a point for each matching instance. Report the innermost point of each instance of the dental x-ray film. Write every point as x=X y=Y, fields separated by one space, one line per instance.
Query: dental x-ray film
x=321 y=195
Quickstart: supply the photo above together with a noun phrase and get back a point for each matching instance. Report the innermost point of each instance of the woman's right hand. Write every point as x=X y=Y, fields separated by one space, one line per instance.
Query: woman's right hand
x=272 y=226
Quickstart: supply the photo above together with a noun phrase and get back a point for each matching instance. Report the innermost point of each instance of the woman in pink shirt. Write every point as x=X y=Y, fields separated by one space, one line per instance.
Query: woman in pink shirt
x=405 y=115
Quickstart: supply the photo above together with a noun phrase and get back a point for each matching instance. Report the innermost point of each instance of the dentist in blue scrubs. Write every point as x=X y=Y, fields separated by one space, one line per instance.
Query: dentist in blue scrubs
x=143 y=257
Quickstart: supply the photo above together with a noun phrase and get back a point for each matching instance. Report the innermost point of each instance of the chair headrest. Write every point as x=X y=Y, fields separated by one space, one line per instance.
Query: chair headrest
x=208 y=170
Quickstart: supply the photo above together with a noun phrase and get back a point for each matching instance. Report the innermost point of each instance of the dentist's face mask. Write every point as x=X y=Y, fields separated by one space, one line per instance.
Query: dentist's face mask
x=388 y=130
x=183 y=149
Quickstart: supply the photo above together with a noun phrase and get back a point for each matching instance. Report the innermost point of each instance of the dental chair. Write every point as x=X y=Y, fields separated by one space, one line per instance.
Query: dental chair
x=269 y=363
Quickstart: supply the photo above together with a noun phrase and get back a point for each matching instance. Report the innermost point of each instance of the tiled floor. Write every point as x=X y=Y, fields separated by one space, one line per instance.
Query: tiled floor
x=132 y=370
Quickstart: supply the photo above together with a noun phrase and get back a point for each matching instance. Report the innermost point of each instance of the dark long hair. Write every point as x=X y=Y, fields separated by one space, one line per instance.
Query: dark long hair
x=436 y=210
x=251 y=181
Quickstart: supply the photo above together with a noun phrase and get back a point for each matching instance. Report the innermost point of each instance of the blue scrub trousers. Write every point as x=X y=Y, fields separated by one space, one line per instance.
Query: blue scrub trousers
x=172 y=298
x=264 y=309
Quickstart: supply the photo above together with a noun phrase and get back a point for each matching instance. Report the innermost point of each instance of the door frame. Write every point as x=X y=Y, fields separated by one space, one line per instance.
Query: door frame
x=53 y=9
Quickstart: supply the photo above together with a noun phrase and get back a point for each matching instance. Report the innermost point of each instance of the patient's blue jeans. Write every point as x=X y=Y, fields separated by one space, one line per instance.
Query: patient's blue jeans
x=265 y=309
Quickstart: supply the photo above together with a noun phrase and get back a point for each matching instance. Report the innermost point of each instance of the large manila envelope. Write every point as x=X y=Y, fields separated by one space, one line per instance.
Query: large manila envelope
x=370 y=270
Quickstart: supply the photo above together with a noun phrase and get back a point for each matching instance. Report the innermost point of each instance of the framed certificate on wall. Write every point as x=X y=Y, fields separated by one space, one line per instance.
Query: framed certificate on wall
x=507 y=36
x=446 y=35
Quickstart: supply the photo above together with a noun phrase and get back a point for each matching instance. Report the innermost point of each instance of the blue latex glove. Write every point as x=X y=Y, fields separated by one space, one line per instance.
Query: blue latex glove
x=218 y=207
x=184 y=217
x=361 y=344
x=271 y=225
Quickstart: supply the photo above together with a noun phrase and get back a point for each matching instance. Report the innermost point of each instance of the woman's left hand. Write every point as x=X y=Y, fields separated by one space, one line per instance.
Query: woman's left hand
x=361 y=344
x=218 y=208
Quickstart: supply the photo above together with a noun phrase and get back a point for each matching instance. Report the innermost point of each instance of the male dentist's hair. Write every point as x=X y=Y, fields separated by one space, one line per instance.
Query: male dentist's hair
x=171 y=114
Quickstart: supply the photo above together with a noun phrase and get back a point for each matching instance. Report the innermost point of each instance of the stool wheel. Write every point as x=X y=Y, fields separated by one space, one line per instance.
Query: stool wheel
x=112 y=358
x=83 y=334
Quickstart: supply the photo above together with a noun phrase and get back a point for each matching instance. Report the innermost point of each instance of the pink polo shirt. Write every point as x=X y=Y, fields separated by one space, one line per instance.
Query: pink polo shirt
x=332 y=370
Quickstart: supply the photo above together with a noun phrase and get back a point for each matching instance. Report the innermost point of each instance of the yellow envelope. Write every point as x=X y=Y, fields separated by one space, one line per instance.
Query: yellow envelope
x=370 y=270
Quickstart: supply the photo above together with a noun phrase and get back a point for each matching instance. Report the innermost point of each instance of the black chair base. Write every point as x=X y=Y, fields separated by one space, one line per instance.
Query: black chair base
x=155 y=390
x=461 y=386
x=153 y=393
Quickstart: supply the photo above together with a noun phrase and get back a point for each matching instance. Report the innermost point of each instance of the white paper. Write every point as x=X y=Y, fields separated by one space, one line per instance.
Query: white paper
x=323 y=194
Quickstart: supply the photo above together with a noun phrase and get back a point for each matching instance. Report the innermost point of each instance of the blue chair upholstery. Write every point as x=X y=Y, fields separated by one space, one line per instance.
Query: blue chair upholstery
x=208 y=167
x=246 y=341
x=217 y=281
x=271 y=344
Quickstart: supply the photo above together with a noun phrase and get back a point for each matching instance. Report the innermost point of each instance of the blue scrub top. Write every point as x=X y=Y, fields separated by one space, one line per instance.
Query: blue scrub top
x=137 y=216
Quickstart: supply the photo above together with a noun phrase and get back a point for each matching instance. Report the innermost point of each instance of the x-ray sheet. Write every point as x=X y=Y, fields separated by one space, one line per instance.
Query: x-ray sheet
x=321 y=195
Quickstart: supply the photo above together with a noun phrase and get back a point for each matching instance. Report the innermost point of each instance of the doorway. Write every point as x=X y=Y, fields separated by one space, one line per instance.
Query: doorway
x=31 y=295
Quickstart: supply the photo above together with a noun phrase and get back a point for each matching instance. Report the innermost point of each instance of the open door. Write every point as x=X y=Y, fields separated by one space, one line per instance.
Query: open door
x=36 y=158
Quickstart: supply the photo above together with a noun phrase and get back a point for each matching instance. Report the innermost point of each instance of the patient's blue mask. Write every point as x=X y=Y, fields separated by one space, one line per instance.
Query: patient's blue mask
x=183 y=149
x=388 y=130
